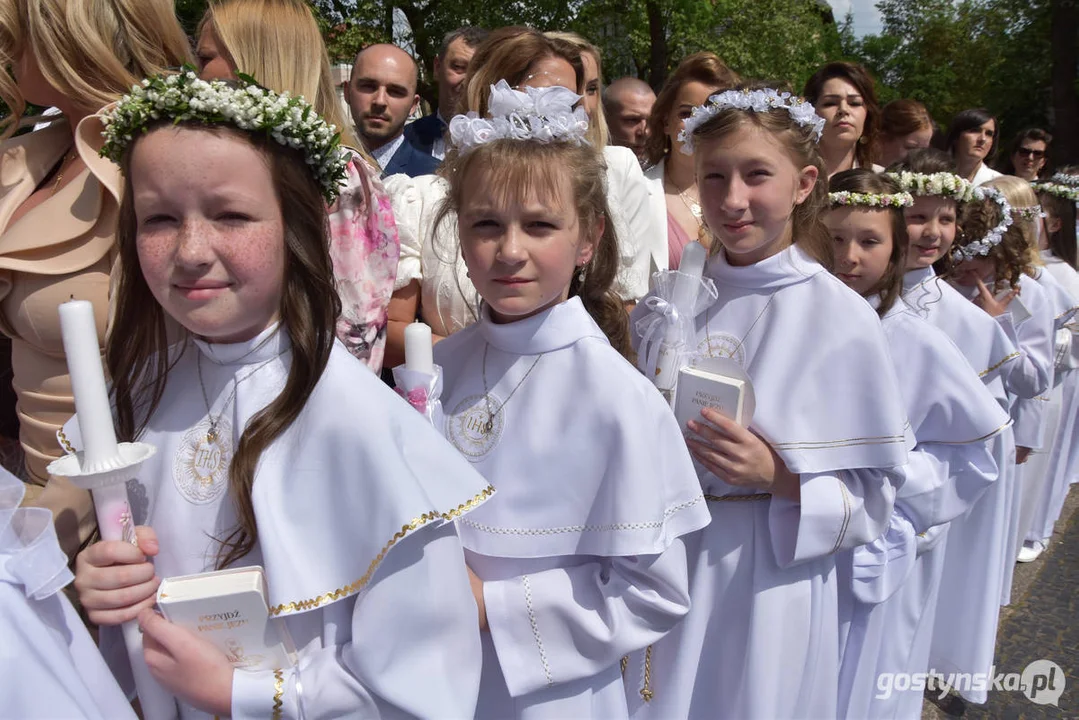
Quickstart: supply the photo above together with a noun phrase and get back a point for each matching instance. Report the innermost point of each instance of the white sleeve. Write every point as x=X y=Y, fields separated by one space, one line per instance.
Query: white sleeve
x=944 y=481
x=1031 y=416
x=565 y=624
x=407 y=202
x=1032 y=372
x=836 y=511
x=880 y=567
x=630 y=200
x=415 y=648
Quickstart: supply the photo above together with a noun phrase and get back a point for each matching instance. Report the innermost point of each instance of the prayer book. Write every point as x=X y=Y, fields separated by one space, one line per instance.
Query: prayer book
x=699 y=388
x=228 y=608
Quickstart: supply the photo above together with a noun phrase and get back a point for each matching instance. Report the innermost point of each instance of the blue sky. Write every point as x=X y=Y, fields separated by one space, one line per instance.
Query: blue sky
x=866 y=17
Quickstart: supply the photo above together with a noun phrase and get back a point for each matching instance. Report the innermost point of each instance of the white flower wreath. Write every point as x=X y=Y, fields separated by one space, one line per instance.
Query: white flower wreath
x=183 y=97
x=546 y=115
x=995 y=236
x=944 y=184
x=872 y=200
x=1066 y=179
x=800 y=110
x=1059 y=190
x=1032 y=212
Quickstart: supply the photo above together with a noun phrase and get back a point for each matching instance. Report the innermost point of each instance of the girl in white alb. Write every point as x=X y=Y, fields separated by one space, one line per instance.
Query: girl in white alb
x=275 y=446
x=578 y=560
x=889 y=589
x=964 y=627
x=815 y=472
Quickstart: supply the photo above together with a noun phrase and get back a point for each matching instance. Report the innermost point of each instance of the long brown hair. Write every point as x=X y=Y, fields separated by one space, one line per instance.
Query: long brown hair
x=516 y=169
x=808 y=229
x=1062 y=243
x=860 y=78
x=137 y=352
x=702 y=67
x=862 y=180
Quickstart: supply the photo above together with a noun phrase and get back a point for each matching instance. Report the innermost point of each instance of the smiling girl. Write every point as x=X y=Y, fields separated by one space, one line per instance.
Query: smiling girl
x=816 y=470
x=889 y=586
x=579 y=558
x=261 y=457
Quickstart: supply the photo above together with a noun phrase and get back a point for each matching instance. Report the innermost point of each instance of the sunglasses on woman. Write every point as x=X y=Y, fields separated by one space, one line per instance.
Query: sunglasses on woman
x=1030 y=152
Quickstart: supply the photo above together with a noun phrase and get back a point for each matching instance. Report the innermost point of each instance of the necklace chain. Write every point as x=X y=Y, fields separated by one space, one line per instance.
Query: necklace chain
x=489 y=425
x=65 y=165
x=693 y=205
x=708 y=327
x=211 y=435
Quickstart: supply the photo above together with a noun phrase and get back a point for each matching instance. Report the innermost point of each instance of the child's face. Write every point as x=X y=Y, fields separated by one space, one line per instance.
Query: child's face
x=210 y=234
x=521 y=254
x=931 y=228
x=749 y=188
x=863 y=245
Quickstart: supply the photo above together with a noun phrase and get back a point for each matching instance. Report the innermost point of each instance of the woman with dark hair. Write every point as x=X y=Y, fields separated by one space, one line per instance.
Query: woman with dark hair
x=1029 y=154
x=905 y=125
x=972 y=141
x=843 y=94
x=670 y=169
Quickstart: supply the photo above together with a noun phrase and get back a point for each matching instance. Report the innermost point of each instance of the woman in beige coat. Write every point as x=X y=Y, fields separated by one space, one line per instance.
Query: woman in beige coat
x=57 y=223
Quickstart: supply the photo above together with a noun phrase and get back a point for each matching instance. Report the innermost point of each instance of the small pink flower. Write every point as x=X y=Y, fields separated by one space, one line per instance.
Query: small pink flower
x=417 y=397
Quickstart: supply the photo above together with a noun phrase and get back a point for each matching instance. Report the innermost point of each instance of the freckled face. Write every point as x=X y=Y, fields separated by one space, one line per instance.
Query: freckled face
x=210 y=236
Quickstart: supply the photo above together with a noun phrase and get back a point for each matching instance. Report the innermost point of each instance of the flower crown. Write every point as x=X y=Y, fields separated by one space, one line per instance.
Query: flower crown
x=1059 y=190
x=1033 y=212
x=183 y=97
x=543 y=115
x=873 y=200
x=800 y=110
x=995 y=236
x=944 y=184
x=1066 y=179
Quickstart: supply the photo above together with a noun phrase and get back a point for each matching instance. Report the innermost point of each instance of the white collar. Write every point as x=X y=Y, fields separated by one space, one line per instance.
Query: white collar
x=268 y=344
x=788 y=266
x=553 y=329
x=384 y=153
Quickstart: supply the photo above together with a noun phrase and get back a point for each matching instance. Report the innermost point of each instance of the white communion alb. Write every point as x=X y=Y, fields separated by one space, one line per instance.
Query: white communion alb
x=581 y=549
x=354 y=503
x=760 y=640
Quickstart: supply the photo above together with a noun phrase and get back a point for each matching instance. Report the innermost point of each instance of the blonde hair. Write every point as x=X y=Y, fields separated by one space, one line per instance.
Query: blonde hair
x=515 y=169
x=90 y=51
x=1019 y=194
x=598 y=134
x=279 y=44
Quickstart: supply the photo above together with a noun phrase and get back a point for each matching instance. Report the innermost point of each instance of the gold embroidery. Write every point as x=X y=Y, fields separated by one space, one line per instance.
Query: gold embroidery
x=846 y=515
x=646 y=688
x=623 y=663
x=1013 y=356
x=967 y=442
x=278 y=691
x=829 y=444
x=68 y=447
x=352 y=588
x=1069 y=312
x=737 y=498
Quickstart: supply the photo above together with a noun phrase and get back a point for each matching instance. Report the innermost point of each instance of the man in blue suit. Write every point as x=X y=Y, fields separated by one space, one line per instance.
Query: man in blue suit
x=381 y=94
x=451 y=67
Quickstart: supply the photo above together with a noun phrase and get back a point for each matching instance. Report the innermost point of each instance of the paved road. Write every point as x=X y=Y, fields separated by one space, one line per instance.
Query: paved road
x=1041 y=623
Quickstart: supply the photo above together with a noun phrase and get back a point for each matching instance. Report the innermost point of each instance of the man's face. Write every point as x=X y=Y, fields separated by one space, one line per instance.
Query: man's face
x=451 y=71
x=381 y=93
x=629 y=126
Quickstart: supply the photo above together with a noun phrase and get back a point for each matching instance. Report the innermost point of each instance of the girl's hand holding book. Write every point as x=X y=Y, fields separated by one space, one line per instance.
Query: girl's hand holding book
x=187 y=665
x=739 y=456
x=115 y=580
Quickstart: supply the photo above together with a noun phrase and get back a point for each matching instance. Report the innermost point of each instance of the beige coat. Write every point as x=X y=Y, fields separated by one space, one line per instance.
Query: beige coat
x=62 y=248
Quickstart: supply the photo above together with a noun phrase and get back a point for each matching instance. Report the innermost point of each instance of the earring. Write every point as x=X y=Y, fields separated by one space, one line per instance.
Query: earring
x=468 y=274
x=580 y=275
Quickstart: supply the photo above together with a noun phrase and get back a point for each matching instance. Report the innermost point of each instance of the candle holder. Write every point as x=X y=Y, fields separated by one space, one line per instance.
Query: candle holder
x=107 y=479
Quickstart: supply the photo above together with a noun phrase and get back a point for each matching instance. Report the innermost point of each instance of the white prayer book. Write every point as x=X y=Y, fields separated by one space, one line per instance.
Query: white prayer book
x=228 y=608
x=699 y=388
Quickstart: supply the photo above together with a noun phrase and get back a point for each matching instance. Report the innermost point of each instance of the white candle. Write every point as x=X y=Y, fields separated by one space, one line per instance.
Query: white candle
x=79 y=331
x=419 y=356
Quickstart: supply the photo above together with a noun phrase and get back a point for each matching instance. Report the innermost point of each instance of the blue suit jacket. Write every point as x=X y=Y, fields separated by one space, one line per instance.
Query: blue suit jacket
x=423 y=132
x=410 y=161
